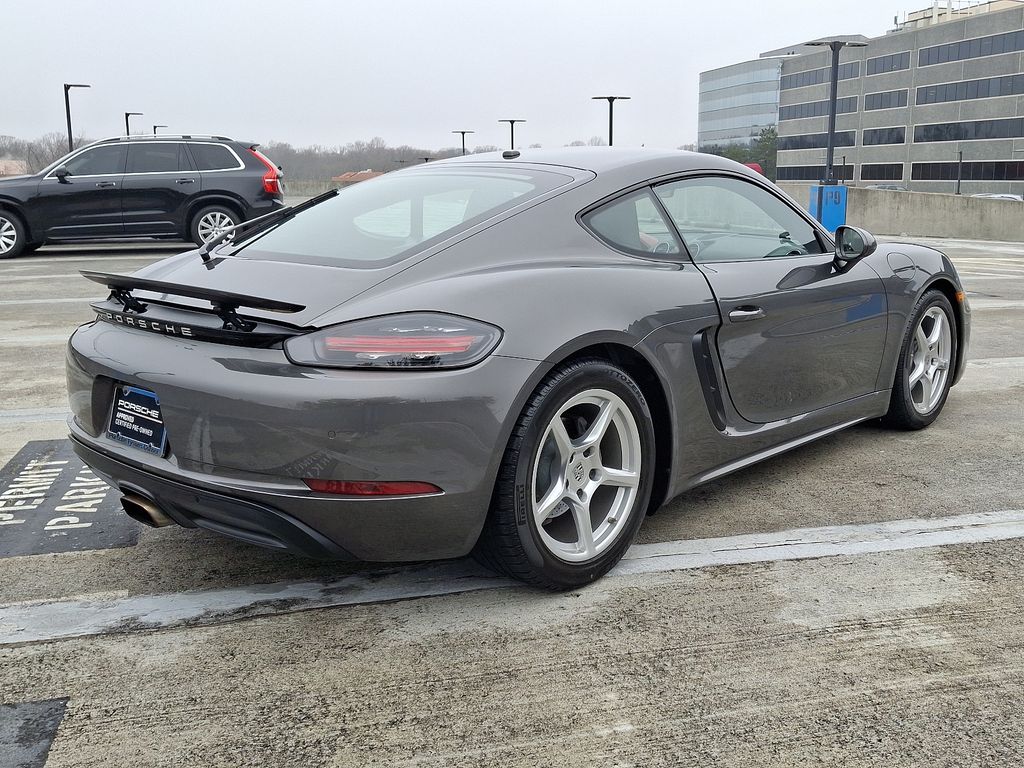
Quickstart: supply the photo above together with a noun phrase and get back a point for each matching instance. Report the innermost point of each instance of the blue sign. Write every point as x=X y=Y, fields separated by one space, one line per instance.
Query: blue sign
x=828 y=205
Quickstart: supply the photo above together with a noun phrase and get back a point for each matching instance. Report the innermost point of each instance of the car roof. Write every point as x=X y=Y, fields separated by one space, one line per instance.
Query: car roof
x=620 y=161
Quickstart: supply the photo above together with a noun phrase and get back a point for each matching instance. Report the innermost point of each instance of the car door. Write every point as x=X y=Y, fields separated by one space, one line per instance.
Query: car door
x=798 y=333
x=159 y=182
x=86 y=202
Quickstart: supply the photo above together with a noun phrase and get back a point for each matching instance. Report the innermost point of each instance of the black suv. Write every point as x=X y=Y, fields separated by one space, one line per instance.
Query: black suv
x=174 y=187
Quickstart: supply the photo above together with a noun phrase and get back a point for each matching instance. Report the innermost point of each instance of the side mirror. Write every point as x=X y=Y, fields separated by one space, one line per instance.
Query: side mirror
x=854 y=243
x=62 y=174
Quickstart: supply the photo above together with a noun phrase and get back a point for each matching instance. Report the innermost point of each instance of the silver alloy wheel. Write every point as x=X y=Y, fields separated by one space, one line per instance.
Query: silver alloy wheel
x=212 y=224
x=930 y=355
x=8 y=235
x=586 y=476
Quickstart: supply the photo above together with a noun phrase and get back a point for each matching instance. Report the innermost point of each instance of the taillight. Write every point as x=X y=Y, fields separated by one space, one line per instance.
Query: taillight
x=271 y=179
x=417 y=340
x=371 y=487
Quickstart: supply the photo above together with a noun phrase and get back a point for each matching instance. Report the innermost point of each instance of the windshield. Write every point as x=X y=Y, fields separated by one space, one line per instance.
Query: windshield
x=379 y=222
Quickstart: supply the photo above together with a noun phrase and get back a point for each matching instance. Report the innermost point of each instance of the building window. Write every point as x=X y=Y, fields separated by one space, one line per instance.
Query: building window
x=1008 y=42
x=817 y=140
x=884 y=136
x=817 y=108
x=881 y=172
x=891 y=63
x=1009 y=170
x=986 y=88
x=975 y=130
x=847 y=71
x=812 y=172
x=885 y=100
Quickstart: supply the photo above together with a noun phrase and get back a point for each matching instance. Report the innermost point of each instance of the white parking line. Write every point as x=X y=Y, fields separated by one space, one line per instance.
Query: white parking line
x=48 y=621
x=59 y=276
x=100 y=256
x=51 y=338
x=18 y=302
x=27 y=415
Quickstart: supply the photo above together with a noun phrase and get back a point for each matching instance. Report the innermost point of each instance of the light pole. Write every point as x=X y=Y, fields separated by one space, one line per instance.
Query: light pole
x=836 y=46
x=463 y=139
x=157 y=126
x=127 y=130
x=611 y=112
x=512 y=130
x=67 y=110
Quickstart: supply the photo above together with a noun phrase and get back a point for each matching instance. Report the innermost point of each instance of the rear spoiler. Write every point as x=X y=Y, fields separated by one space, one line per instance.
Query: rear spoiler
x=223 y=303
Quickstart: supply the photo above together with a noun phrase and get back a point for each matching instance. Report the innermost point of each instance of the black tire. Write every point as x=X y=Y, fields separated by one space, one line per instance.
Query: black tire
x=903 y=413
x=511 y=542
x=12 y=236
x=210 y=210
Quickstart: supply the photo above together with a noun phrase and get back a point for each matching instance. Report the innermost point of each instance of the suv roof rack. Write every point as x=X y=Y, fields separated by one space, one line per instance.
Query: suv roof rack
x=146 y=137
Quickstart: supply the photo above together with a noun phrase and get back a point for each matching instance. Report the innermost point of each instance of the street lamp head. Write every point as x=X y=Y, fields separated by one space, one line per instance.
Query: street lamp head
x=76 y=85
x=610 y=98
x=838 y=43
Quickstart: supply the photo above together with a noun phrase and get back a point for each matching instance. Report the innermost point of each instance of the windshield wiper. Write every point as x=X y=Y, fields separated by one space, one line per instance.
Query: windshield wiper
x=254 y=225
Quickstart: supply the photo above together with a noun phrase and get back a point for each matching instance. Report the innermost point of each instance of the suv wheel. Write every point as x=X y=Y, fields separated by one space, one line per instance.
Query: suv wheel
x=12 y=236
x=212 y=221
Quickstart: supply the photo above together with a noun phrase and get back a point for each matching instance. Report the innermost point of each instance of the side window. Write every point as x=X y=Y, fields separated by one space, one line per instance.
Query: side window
x=444 y=211
x=392 y=221
x=158 y=158
x=213 y=157
x=726 y=219
x=633 y=223
x=99 y=161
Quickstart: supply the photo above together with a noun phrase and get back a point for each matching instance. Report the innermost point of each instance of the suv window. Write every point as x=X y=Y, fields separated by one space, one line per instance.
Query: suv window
x=379 y=222
x=633 y=223
x=213 y=157
x=158 y=158
x=97 y=161
x=727 y=219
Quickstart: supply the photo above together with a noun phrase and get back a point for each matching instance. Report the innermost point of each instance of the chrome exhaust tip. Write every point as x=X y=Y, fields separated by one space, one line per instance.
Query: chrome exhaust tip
x=144 y=510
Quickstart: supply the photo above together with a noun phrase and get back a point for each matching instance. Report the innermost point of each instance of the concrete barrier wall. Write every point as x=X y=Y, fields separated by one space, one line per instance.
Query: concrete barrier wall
x=886 y=212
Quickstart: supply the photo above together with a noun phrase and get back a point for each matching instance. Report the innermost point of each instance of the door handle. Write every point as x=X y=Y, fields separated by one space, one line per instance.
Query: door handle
x=184 y=181
x=106 y=184
x=746 y=312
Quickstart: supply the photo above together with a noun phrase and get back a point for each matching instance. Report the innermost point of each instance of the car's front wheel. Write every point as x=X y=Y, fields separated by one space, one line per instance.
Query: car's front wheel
x=927 y=359
x=12 y=236
x=212 y=221
x=575 y=480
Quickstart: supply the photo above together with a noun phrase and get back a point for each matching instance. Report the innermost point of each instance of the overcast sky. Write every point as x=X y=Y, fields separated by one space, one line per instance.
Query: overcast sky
x=409 y=71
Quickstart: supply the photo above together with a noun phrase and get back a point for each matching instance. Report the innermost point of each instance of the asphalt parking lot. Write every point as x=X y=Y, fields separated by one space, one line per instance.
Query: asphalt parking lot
x=855 y=602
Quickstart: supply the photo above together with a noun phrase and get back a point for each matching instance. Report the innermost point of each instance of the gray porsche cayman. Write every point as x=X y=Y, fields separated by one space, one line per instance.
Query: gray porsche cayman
x=517 y=355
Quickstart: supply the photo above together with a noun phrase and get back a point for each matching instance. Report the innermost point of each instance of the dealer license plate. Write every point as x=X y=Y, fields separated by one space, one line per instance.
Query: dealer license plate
x=135 y=420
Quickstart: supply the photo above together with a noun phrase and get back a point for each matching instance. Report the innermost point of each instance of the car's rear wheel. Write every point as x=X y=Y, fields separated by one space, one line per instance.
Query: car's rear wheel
x=212 y=221
x=12 y=236
x=925 y=370
x=575 y=480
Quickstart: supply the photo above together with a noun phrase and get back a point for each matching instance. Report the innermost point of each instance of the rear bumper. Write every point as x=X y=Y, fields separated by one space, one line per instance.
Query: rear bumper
x=244 y=427
x=191 y=506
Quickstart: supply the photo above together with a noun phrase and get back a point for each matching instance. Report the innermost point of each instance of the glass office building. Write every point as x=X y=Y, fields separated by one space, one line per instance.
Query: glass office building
x=737 y=102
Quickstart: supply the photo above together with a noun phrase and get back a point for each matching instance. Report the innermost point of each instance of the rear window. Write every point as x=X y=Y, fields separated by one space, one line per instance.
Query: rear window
x=379 y=222
x=213 y=157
